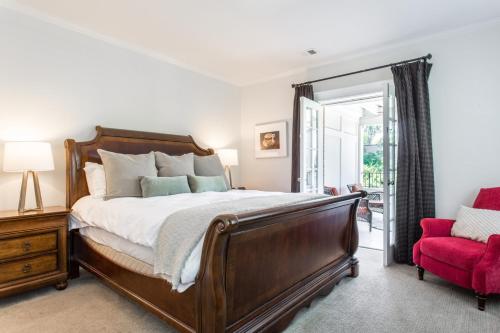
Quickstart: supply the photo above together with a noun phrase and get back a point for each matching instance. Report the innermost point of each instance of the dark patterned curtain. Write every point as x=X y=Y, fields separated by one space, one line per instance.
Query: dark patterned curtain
x=415 y=173
x=300 y=91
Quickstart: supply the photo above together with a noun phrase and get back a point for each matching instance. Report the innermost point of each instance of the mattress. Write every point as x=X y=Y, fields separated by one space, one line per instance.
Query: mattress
x=120 y=258
x=103 y=237
x=137 y=258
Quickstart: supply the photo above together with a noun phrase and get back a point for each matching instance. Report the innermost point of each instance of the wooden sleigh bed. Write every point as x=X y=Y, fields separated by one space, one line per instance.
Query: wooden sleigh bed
x=257 y=269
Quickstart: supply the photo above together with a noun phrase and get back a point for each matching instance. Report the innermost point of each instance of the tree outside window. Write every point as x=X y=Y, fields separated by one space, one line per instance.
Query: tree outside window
x=373 y=166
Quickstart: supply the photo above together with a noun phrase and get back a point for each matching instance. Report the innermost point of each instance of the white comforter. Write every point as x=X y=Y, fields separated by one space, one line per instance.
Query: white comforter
x=139 y=219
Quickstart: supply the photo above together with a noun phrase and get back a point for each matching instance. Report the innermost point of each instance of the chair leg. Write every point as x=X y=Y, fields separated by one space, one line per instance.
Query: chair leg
x=421 y=272
x=481 y=301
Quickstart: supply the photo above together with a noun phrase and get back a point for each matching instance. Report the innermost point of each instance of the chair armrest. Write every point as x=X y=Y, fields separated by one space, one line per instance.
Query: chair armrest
x=486 y=275
x=492 y=249
x=436 y=227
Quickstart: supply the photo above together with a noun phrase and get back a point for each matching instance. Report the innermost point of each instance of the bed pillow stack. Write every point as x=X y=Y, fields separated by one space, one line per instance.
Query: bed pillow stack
x=210 y=166
x=153 y=174
x=202 y=173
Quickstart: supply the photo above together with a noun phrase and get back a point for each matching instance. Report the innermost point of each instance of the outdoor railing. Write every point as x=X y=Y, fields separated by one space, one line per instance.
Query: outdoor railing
x=373 y=179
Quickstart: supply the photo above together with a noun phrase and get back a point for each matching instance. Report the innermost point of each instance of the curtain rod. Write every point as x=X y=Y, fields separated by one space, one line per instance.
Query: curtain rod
x=426 y=57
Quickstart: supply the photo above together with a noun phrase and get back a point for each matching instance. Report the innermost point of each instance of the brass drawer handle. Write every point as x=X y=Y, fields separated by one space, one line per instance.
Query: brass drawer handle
x=26 y=246
x=27 y=268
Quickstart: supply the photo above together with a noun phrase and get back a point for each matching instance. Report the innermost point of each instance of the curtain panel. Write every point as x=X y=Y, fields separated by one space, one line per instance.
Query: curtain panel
x=415 y=172
x=300 y=91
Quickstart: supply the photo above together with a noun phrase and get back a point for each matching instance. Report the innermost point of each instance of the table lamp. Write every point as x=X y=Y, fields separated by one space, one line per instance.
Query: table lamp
x=228 y=158
x=28 y=158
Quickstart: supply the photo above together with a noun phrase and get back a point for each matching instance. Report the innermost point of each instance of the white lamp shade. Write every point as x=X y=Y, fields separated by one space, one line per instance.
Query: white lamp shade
x=27 y=156
x=228 y=157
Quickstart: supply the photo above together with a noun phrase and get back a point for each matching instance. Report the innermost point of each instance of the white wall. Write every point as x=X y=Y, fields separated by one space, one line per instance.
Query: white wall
x=465 y=111
x=55 y=84
x=266 y=102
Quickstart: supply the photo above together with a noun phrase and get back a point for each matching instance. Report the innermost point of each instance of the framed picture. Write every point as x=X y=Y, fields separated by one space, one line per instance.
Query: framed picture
x=271 y=140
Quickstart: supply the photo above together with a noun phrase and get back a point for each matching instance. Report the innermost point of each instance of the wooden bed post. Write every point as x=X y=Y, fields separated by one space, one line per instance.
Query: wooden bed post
x=211 y=305
x=354 y=239
x=71 y=167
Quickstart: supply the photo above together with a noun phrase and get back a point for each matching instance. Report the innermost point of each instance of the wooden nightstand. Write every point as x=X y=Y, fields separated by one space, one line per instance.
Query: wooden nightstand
x=33 y=250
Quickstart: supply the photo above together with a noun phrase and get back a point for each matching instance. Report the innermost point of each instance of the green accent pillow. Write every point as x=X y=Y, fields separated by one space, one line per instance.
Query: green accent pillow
x=200 y=184
x=162 y=186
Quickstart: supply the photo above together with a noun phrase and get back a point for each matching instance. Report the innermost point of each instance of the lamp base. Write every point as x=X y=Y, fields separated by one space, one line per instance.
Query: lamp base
x=38 y=196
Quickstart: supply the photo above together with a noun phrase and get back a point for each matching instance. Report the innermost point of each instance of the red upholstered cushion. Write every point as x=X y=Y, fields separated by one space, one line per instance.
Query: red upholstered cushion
x=488 y=198
x=452 y=274
x=455 y=251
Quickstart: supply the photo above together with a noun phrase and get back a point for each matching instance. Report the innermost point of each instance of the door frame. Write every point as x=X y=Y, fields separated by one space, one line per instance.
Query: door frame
x=390 y=167
x=313 y=106
x=347 y=93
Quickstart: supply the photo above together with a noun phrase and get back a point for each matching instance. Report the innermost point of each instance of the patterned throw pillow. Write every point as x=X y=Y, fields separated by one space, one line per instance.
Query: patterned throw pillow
x=476 y=224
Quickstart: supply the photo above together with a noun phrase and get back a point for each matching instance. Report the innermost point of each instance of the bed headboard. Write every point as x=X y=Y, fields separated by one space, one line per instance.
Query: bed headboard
x=119 y=141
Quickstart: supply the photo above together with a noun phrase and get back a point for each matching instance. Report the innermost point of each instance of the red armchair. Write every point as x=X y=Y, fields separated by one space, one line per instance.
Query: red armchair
x=467 y=263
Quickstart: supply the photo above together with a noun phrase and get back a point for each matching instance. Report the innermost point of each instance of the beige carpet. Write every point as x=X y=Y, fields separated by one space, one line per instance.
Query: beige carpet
x=379 y=300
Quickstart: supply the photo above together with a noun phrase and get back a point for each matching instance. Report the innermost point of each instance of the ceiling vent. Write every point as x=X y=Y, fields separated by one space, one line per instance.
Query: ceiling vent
x=311 y=52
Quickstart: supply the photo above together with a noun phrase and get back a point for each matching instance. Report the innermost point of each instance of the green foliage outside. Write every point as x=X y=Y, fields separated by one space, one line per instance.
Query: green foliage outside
x=373 y=160
x=372 y=135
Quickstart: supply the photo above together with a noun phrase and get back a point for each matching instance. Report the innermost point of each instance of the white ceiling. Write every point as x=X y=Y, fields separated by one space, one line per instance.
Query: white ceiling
x=244 y=41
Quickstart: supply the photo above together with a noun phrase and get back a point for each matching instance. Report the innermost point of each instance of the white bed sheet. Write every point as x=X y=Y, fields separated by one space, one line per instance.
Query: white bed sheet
x=131 y=225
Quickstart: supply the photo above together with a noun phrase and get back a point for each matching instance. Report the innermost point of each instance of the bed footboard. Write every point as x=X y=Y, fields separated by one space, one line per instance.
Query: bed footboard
x=258 y=269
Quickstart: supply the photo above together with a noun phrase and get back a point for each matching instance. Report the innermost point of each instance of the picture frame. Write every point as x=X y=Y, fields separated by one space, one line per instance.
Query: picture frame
x=271 y=139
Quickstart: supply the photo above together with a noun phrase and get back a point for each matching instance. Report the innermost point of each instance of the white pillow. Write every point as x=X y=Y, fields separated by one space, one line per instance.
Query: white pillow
x=476 y=224
x=96 y=179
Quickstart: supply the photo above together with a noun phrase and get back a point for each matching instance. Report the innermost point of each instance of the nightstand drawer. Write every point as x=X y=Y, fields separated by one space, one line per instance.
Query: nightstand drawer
x=20 y=246
x=28 y=267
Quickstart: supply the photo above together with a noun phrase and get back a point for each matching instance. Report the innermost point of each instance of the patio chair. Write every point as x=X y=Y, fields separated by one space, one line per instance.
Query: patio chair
x=364 y=212
x=330 y=190
x=376 y=201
